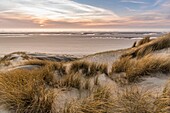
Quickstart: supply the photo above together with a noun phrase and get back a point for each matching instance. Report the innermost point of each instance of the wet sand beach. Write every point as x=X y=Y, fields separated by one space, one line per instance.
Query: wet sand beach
x=60 y=44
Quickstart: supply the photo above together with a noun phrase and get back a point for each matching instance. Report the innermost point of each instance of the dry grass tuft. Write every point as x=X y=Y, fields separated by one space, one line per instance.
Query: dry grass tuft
x=146 y=48
x=163 y=102
x=60 y=68
x=147 y=65
x=140 y=61
x=37 y=62
x=5 y=62
x=11 y=57
x=25 y=91
x=95 y=69
x=142 y=67
x=134 y=44
x=133 y=100
x=97 y=102
x=130 y=99
x=73 y=80
x=144 y=40
x=7 y=58
x=80 y=66
x=103 y=68
x=88 y=69
x=121 y=65
x=102 y=92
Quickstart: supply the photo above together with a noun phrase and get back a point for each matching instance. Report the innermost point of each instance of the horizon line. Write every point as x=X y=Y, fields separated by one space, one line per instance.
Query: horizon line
x=84 y=29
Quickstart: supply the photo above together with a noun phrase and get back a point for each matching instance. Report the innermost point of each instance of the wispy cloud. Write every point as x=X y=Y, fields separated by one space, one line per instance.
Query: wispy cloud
x=56 y=10
x=71 y=14
x=166 y=5
x=133 y=1
x=157 y=2
x=131 y=10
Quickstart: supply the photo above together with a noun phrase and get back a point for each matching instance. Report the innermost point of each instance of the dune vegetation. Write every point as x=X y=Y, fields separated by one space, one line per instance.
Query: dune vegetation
x=25 y=92
x=145 y=48
x=88 y=69
x=163 y=102
x=142 y=61
x=145 y=66
x=81 y=86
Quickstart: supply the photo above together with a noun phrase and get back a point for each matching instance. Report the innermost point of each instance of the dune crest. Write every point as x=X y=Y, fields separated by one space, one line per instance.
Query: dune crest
x=130 y=80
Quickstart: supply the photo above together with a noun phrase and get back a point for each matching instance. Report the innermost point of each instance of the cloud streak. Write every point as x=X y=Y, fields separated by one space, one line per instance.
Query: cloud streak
x=134 y=1
x=71 y=14
x=53 y=10
x=157 y=2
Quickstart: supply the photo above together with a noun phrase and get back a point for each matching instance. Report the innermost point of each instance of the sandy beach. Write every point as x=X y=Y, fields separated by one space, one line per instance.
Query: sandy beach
x=59 y=44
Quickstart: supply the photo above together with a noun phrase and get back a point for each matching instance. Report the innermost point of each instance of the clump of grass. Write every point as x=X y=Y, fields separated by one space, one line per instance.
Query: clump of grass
x=79 y=66
x=47 y=75
x=163 y=102
x=147 y=65
x=95 y=69
x=134 y=44
x=102 y=68
x=87 y=84
x=6 y=60
x=37 y=62
x=144 y=40
x=96 y=80
x=133 y=100
x=146 y=48
x=134 y=68
x=88 y=69
x=11 y=57
x=121 y=65
x=73 y=80
x=97 y=102
x=59 y=67
x=120 y=79
x=141 y=42
x=24 y=91
x=102 y=92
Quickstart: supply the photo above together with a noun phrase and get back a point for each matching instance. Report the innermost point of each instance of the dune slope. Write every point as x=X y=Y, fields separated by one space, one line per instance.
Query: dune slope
x=133 y=80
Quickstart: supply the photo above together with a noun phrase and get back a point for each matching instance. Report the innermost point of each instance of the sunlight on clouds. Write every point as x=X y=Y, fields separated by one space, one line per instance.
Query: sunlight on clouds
x=71 y=14
x=53 y=10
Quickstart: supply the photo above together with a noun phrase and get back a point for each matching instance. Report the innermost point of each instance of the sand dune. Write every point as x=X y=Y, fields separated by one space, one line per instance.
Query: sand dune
x=106 y=79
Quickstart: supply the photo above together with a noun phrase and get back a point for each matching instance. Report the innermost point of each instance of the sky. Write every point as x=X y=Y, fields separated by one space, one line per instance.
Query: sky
x=85 y=14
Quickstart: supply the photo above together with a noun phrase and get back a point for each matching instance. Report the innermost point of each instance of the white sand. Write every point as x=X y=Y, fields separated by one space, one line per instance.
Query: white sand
x=156 y=84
